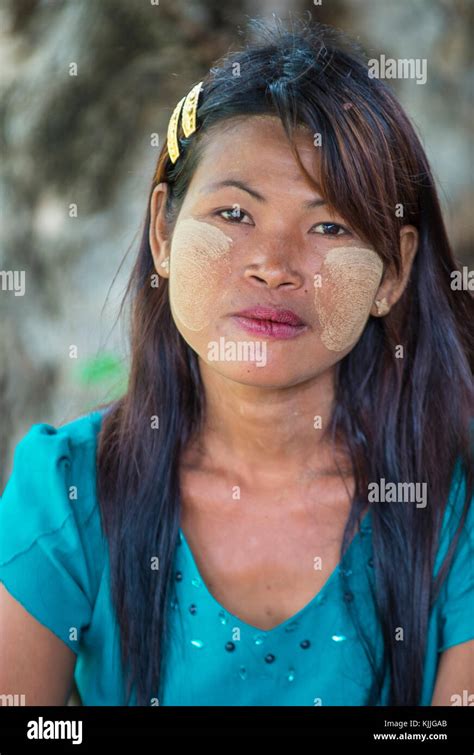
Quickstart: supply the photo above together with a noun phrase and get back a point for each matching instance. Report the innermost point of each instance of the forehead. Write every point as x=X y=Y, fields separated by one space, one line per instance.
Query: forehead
x=255 y=147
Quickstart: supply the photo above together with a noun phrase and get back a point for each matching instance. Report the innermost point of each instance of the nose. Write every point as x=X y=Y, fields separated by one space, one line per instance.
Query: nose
x=274 y=266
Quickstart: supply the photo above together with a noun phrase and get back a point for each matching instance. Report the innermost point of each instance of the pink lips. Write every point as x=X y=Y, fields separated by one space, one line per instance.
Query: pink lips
x=269 y=321
x=271 y=313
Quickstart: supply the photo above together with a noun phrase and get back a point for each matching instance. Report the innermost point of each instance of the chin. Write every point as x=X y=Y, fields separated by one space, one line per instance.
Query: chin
x=266 y=376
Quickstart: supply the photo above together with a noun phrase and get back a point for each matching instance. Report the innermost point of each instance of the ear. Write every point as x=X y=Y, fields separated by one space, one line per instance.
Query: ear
x=393 y=286
x=158 y=231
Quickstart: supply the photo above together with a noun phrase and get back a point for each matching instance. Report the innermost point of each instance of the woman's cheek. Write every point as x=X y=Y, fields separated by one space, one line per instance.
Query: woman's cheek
x=199 y=267
x=344 y=292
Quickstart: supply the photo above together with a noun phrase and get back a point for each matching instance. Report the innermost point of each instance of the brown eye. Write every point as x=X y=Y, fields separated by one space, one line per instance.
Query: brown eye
x=330 y=229
x=235 y=214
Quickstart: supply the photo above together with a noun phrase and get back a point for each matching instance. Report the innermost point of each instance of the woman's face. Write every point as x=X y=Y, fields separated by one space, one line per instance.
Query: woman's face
x=252 y=233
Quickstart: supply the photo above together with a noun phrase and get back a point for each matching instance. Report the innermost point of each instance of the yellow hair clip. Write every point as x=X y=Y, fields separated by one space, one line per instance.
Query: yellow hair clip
x=188 y=120
x=172 y=138
x=188 y=106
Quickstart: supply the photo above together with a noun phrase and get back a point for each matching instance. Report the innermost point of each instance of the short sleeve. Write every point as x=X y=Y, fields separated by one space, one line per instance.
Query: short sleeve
x=44 y=511
x=457 y=594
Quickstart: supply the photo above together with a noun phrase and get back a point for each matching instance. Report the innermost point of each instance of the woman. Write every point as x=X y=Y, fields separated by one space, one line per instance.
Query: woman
x=277 y=511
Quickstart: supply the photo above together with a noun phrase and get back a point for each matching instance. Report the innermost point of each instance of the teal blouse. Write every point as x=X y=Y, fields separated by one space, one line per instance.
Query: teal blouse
x=54 y=561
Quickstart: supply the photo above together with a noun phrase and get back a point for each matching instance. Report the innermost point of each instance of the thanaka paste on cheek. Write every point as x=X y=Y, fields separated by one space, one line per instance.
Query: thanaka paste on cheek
x=349 y=279
x=199 y=268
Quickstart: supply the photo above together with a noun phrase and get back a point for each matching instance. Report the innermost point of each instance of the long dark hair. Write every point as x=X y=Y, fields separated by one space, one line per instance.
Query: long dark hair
x=400 y=419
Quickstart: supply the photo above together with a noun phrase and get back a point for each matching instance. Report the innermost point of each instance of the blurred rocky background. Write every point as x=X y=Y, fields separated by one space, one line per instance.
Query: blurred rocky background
x=83 y=86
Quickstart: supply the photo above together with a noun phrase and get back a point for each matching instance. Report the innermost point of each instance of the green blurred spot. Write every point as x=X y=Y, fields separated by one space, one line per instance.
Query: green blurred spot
x=103 y=368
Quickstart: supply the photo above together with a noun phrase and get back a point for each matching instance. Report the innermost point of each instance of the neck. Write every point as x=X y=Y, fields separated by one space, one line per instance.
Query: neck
x=268 y=434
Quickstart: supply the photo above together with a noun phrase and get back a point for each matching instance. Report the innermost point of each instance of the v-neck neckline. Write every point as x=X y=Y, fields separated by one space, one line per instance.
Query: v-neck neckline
x=296 y=616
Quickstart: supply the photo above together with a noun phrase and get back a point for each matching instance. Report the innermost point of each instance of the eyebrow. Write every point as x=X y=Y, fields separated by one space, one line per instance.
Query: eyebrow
x=309 y=204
